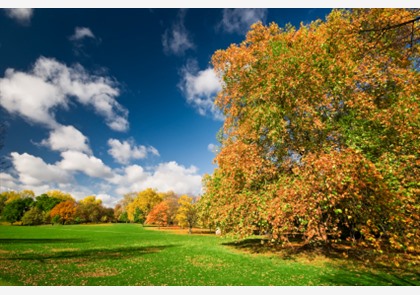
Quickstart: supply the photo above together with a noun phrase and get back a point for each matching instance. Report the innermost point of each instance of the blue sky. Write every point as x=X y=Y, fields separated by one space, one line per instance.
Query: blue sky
x=109 y=101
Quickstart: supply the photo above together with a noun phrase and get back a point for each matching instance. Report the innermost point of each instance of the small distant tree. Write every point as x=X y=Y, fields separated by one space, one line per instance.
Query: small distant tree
x=159 y=214
x=89 y=209
x=139 y=216
x=172 y=200
x=123 y=217
x=64 y=212
x=107 y=215
x=15 y=210
x=187 y=215
x=33 y=216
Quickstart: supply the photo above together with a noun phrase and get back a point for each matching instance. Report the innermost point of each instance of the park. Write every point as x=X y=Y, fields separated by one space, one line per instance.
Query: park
x=314 y=178
x=133 y=255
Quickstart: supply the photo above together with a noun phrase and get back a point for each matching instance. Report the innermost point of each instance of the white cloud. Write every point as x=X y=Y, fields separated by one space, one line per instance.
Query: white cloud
x=78 y=40
x=177 y=40
x=107 y=200
x=8 y=182
x=89 y=165
x=124 y=152
x=81 y=33
x=34 y=171
x=175 y=177
x=169 y=176
x=200 y=89
x=65 y=138
x=21 y=15
x=51 y=84
x=31 y=97
x=239 y=20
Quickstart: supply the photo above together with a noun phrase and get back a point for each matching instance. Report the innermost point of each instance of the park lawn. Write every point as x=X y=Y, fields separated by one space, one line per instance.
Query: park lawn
x=130 y=255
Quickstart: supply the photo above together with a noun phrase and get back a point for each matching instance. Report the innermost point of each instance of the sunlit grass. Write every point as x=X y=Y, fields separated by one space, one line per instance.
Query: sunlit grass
x=130 y=255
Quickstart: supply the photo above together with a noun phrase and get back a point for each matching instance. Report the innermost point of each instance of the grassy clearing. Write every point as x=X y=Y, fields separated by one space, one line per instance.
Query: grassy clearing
x=130 y=255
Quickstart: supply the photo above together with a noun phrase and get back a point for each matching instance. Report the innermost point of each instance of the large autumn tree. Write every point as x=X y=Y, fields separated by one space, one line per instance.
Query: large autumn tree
x=321 y=137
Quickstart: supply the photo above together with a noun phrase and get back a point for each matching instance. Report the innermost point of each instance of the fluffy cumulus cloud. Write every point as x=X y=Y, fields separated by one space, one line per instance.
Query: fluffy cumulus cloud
x=172 y=176
x=239 y=20
x=127 y=150
x=89 y=165
x=50 y=84
x=34 y=171
x=21 y=15
x=81 y=33
x=8 y=182
x=65 y=138
x=169 y=176
x=177 y=39
x=31 y=97
x=200 y=88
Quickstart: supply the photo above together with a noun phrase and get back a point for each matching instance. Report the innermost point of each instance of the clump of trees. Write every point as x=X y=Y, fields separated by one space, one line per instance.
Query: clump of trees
x=321 y=137
x=163 y=209
x=54 y=206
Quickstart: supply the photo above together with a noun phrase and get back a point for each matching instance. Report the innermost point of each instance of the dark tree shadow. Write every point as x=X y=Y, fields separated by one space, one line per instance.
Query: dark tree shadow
x=357 y=266
x=41 y=241
x=91 y=254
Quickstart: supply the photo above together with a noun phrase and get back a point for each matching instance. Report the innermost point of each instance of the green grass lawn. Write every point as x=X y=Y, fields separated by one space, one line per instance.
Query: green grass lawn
x=130 y=255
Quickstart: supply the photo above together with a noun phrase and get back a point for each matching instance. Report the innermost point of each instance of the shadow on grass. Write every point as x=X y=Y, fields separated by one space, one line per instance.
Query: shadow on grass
x=365 y=278
x=91 y=254
x=40 y=241
x=354 y=267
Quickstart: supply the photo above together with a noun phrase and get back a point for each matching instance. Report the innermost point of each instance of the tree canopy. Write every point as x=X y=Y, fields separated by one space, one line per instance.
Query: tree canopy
x=321 y=136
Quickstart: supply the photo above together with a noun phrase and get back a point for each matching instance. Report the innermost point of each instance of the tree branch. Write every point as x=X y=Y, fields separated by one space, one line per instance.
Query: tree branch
x=392 y=27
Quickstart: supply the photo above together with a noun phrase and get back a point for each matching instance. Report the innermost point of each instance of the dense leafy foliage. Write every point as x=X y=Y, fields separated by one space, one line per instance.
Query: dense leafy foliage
x=14 y=210
x=64 y=212
x=142 y=203
x=48 y=208
x=187 y=214
x=159 y=214
x=321 y=136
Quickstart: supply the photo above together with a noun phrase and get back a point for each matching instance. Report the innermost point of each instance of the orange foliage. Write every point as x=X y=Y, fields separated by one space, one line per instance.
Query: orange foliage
x=66 y=211
x=159 y=215
x=321 y=136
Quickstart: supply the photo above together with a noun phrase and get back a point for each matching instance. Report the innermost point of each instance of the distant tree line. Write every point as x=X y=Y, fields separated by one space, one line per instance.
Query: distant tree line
x=51 y=207
x=57 y=207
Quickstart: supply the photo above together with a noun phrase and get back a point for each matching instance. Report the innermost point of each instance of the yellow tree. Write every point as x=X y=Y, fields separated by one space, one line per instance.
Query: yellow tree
x=142 y=204
x=187 y=215
x=91 y=200
x=64 y=212
x=11 y=196
x=120 y=209
x=60 y=195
